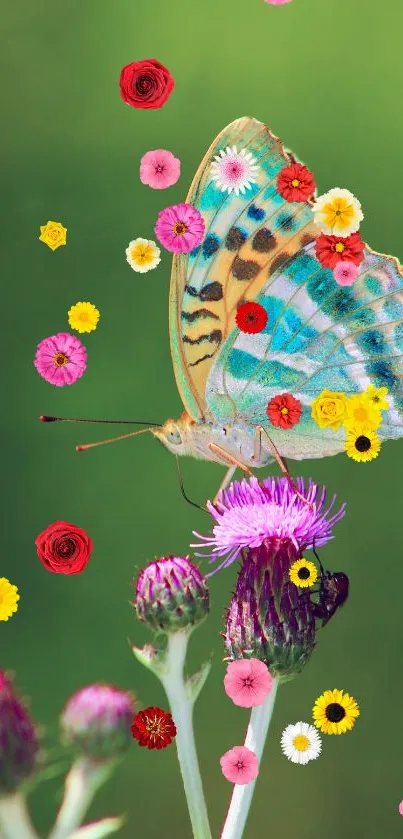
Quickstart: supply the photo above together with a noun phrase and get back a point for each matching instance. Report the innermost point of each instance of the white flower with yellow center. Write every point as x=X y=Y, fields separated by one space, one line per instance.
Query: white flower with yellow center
x=143 y=255
x=337 y=212
x=301 y=742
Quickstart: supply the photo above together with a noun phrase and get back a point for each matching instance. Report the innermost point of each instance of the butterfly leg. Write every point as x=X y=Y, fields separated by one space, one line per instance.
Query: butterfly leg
x=233 y=464
x=280 y=460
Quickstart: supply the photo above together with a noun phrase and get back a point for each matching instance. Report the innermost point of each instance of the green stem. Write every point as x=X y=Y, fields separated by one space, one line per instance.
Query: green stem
x=82 y=782
x=255 y=741
x=182 y=712
x=15 y=822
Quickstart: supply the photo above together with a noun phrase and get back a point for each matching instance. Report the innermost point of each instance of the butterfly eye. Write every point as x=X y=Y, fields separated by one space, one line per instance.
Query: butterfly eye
x=174 y=436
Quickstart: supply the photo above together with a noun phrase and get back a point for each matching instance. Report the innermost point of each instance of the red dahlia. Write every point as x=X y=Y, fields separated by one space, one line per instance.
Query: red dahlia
x=251 y=317
x=284 y=411
x=296 y=183
x=153 y=728
x=331 y=249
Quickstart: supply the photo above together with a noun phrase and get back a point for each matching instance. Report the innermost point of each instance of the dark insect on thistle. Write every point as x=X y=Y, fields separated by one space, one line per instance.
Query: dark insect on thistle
x=333 y=592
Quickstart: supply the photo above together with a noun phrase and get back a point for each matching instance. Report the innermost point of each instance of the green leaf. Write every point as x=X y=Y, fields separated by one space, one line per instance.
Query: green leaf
x=195 y=683
x=97 y=830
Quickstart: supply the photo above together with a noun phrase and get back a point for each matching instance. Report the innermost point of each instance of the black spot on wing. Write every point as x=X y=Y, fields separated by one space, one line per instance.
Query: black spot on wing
x=264 y=241
x=215 y=337
x=235 y=239
x=210 y=245
x=278 y=261
x=203 y=358
x=244 y=269
x=190 y=317
x=211 y=291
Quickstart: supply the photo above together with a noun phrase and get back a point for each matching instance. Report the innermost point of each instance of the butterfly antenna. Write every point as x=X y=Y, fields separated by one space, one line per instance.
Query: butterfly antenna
x=45 y=418
x=112 y=440
x=189 y=500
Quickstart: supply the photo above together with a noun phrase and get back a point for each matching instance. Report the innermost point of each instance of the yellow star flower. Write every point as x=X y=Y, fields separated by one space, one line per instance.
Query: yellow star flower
x=377 y=397
x=53 y=234
x=83 y=317
x=8 y=599
x=337 y=212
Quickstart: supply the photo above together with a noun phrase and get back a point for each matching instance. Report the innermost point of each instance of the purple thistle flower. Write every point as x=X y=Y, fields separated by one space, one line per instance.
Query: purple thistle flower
x=250 y=512
x=171 y=594
x=97 y=720
x=19 y=746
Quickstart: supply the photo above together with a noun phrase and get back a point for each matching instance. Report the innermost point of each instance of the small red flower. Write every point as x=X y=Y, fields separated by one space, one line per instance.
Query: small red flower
x=153 y=728
x=331 y=249
x=251 y=317
x=296 y=183
x=284 y=411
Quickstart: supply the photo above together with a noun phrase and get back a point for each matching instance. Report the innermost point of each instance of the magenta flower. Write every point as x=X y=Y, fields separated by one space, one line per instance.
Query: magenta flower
x=247 y=682
x=159 y=169
x=345 y=272
x=277 y=2
x=239 y=765
x=61 y=359
x=97 y=720
x=19 y=744
x=250 y=512
x=179 y=228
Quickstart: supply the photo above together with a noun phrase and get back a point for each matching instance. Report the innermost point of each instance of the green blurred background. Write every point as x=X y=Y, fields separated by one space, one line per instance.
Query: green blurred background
x=326 y=75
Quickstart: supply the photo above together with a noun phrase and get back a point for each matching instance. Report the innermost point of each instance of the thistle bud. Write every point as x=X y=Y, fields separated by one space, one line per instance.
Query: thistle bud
x=97 y=720
x=19 y=746
x=269 y=618
x=171 y=594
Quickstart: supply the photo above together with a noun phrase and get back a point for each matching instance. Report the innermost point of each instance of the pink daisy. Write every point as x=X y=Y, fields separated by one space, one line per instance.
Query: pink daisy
x=276 y=2
x=345 y=272
x=61 y=359
x=179 y=228
x=239 y=765
x=247 y=682
x=401 y=808
x=159 y=169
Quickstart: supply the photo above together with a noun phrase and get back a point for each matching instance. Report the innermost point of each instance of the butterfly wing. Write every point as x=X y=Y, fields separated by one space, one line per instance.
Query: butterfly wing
x=246 y=238
x=318 y=335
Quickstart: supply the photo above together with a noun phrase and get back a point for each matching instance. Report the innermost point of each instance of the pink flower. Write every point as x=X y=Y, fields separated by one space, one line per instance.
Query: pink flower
x=401 y=808
x=239 y=765
x=276 y=2
x=159 y=169
x=179 y=228
x=247 y=682
x=345 y=272
x=61 y=359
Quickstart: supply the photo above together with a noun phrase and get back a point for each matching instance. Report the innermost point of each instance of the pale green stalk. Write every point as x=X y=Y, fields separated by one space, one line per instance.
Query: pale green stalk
x=82 y=782
x=15 y=822
x=255 y=741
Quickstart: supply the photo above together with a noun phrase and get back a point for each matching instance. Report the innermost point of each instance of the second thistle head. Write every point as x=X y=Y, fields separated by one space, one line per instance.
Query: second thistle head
x=171 y=594
x=96 y=721
x=268 y=526
x=19 y=745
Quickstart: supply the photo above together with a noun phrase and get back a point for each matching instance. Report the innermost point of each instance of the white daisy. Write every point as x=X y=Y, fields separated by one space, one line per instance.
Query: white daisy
x=337 y=212
x=301 y=742
x=143 y=255
x=234 y=171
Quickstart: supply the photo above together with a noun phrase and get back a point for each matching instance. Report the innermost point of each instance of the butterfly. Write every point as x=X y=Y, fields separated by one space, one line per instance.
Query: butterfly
x=259 y=247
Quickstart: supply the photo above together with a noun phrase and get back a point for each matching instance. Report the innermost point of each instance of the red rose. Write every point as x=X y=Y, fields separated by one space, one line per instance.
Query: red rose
x=64 y=548
x=146 y=84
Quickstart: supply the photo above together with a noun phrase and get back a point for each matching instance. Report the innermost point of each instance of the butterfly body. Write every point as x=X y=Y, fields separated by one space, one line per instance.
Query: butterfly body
x=260 y=247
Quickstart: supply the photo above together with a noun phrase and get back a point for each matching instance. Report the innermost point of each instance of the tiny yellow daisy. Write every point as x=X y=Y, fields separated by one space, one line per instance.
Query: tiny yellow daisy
x=335 y=712
x=83 y=317
x=362 y=443
x=303 y=573
x=9 y=598
x=377 y=397
x=361 y=409
x=143 y=255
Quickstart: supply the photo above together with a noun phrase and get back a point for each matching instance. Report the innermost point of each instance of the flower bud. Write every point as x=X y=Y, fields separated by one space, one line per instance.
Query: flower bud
x=97 y=720
x=19 y=746
x=269 y=618
x=171 y=594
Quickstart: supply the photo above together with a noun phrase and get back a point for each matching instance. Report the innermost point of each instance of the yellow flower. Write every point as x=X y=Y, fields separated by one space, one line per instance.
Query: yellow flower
x=143 y=255
x=83 y=317
x=303 y=573
x=335 y=712
x=53 y=234
x=362 y=444
x=360 y=409
x=8 y=599
x=337 y=212
x=377 y=397
x=328 y=409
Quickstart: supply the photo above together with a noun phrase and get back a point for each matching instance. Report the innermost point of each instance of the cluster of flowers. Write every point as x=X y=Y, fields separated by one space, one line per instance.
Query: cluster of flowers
x=359 y=414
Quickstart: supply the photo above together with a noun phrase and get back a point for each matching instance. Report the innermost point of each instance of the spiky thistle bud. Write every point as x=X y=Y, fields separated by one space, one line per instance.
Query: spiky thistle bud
x=268 y=525
x=171 y=594
x=97 y=720
x=19 y=745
